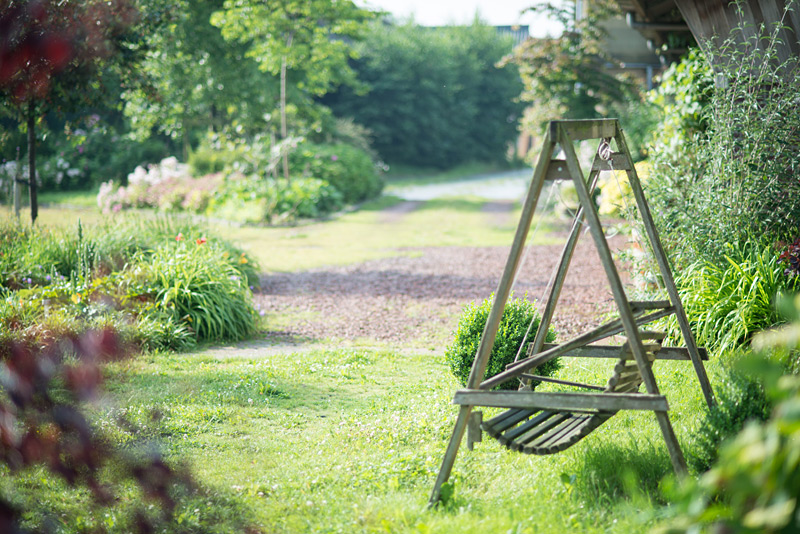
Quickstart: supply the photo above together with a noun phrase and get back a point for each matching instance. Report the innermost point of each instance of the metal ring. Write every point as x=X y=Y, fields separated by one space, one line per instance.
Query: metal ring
x=604 y=150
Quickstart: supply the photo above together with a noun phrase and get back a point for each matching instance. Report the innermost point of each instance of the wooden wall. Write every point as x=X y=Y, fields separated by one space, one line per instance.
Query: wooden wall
x=712 y=21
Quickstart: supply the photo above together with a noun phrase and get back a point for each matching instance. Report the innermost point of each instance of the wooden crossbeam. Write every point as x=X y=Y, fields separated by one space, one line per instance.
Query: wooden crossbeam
x=618 y=162
x=581 y=130
x=612 y=352
x=650 y=304
x=609 y=329
x=587 y=402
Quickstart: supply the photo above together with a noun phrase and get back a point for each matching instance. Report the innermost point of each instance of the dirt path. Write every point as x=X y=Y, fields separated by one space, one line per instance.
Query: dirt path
x=415 y=300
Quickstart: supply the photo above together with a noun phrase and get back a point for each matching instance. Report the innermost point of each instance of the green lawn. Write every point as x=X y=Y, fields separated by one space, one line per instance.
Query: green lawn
x=332 y=439
x=368 y=233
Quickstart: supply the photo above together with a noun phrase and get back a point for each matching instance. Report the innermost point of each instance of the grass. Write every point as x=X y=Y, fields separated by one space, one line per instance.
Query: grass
x=350 y=440
x=370 y=234
x=352 y=237
x=79 y=199
x=329 y=439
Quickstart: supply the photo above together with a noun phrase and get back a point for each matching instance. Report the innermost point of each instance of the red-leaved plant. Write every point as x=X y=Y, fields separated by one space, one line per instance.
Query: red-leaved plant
x=791 y=258
x=43 y=393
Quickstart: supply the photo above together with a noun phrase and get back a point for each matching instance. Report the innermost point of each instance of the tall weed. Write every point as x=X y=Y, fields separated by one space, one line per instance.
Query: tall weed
x=198 y=286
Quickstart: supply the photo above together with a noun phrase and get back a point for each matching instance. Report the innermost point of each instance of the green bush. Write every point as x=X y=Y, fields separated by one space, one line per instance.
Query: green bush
x=199 y=287
x=257 y=200
x=740 y=399
x=725 y=166
x=349 y=169
x=518 y=315
x=215 y=154
x=301 y=198
x=97 y=279
x=753 y=486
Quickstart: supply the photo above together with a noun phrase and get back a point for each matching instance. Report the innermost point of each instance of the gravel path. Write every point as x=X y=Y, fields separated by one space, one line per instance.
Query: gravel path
x=415 y=299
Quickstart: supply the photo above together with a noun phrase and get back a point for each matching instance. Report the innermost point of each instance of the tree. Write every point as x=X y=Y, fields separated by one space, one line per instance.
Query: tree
x=189 y=84
x=304 y=42
x=566 y=77
x=435 y=96
x=50 y=54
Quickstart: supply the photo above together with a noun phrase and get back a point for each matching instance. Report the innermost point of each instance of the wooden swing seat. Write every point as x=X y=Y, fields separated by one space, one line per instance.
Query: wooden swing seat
x=547 y=431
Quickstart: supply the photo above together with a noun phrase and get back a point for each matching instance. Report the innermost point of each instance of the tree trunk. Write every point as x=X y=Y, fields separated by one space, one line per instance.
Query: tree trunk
x=32 y=160
x=284 y=129
x=283 y=120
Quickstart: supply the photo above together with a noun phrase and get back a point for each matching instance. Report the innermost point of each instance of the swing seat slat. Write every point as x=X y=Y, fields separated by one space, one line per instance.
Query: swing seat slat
x=533 y=430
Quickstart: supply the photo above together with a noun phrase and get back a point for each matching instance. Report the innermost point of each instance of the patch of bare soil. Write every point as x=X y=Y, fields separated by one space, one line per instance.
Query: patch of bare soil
x=416 y=300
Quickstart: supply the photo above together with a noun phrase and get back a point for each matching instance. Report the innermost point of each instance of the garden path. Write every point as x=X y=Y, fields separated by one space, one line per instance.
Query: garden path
x=414 y=300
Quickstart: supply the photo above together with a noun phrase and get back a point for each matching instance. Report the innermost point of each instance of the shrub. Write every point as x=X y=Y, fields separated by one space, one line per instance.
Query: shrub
x=249 y=198
x=726 y=304
x=257 y=200
x=740 y=399
x=215 y=154
x=518 y=315
x=753 y=486
x=94 y=152
x=301 y=198
x=147 y=187
x=45 y=426
x=348 y=169
x=96 y=288
x=727 y=167
x=198 y=286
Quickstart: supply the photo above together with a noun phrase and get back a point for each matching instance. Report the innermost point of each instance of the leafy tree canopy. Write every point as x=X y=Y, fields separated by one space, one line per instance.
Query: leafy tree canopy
x=566 y=77
x=436 y=97
x=51 y=57
x=193 y=80
x=312 y=37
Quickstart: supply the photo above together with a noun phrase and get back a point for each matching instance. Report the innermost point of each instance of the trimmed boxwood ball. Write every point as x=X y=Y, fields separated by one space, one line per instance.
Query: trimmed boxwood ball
x=516 y=318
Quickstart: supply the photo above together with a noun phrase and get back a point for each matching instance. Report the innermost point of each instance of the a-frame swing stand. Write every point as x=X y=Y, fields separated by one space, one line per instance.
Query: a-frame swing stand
x=544 y=423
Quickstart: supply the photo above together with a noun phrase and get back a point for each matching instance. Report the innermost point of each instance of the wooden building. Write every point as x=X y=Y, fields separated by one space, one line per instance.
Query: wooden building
x=712 y=21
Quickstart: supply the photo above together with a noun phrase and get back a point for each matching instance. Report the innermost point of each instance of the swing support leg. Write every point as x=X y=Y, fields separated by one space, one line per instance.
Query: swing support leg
x=450 y=454
x=628 y=321
x=493 y=321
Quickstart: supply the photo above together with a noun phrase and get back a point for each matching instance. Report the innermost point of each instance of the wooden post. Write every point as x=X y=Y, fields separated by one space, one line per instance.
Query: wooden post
x=17 y=193
x=496 y=313
x=666 y=273
x=32 y=160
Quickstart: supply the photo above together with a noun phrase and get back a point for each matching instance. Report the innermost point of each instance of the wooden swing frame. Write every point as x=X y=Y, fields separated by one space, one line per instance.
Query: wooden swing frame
x=632 y=314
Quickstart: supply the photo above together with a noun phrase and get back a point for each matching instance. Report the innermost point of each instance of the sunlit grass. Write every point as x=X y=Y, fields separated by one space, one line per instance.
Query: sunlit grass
x=358 y=236
x=333 y=438
x=372 y=233
x=350 y=440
